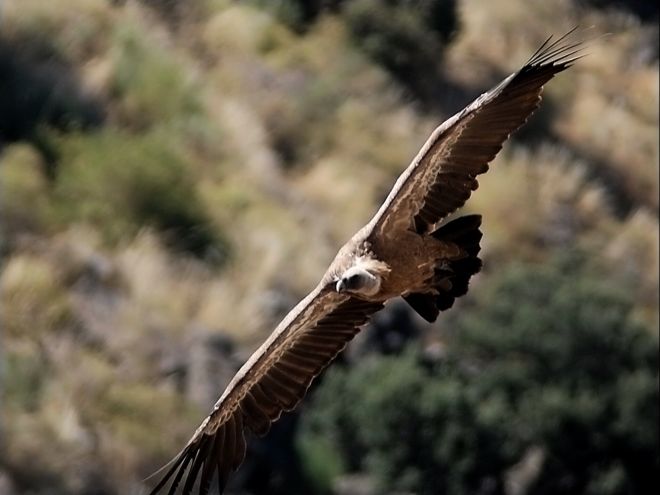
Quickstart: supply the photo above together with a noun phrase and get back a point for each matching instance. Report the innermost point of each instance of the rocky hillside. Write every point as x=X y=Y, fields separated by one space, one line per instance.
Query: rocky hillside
x=176 y=175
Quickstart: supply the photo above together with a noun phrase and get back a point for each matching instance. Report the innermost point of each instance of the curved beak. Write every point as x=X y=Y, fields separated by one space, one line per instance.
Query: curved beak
x=341 y=287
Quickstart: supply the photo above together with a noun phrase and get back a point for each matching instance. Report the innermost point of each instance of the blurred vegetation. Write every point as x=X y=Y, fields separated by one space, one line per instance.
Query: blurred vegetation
x=148 y=83
x=407 y=38
x=23 y=183
x=175 y=175
x=121 y=185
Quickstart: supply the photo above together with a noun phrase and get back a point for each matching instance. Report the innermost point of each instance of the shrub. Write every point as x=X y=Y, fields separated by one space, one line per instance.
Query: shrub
x=407 y=38
x=120 y=184
x=412 y=430
x=24 y=376
x=36 y=90
x=25 y=198
x=150 y=84
x=569 y=357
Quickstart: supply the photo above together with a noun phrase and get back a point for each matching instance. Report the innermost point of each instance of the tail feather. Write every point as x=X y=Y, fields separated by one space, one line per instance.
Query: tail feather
x=463 y=231
x=451 y=277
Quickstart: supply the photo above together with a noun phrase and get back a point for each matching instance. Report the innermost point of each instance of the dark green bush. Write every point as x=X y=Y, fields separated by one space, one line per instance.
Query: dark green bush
x=299 y=15
x=25 y=374
x=548 y=360
x=37 y=89
x=413 y=430
x=120 y=184
x=150 y=85
x=405 y=37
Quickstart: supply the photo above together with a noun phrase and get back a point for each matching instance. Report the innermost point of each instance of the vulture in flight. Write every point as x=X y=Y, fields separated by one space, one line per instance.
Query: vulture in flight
x=404 y=250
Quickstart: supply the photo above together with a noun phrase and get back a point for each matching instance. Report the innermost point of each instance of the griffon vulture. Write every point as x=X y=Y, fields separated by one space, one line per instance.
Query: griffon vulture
x=402 y=251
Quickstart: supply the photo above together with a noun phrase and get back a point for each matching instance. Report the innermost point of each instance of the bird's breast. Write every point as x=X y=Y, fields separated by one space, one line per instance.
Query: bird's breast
x=410 y=259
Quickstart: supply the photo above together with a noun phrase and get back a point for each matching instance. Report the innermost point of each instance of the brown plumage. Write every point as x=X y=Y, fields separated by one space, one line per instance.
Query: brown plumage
x=402 y=251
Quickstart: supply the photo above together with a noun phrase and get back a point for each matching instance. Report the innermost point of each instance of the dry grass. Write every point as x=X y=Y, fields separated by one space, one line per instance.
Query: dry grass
x=75 y=30
x=35 y=302
x=609 y=101
x=534 y=201
x=609 y=127
x=502 y=34
x=241 y=30
x=632 y=252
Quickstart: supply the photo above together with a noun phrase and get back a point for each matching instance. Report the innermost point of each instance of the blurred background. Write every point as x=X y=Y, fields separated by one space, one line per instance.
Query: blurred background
x=177 y=174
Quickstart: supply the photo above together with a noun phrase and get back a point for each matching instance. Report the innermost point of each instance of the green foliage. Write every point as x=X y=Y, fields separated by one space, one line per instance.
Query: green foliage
x=121 y=185
x=321 y=462
x=411 y=429
x=571 y=313
x=151 y=85
x=548 y=358
x=25 y=374
x=25 y=199
x=582 y=373
x=407 y=38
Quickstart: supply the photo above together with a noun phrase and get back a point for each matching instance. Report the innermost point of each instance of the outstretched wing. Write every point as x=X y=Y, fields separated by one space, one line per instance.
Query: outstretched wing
x=273 y=380
x=443 y=174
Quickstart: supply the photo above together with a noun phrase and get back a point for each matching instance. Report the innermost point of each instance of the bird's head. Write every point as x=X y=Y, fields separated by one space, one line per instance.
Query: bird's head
x=362 y=278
